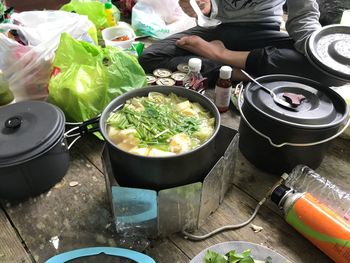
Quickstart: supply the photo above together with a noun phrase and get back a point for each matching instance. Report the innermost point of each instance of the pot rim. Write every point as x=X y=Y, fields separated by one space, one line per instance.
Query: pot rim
x=316 y=60
x=117 y=102
x=293 y=124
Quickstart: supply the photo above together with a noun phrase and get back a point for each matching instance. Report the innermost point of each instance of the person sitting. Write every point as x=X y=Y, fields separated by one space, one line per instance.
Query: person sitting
x=249 y=38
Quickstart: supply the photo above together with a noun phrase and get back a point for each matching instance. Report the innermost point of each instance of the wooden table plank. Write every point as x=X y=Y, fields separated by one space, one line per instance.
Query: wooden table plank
x=91 y=147
x=11 y=247
x=164 y=251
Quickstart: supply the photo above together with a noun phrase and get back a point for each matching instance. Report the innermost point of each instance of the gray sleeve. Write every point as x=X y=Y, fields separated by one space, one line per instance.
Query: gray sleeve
x=303 y=19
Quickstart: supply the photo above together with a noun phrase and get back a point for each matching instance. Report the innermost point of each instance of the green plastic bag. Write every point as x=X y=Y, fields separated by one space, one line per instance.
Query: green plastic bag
x=95 y=11
x=85 y=78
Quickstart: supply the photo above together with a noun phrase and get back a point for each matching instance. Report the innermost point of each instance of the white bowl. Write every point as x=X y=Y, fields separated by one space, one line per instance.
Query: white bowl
x=110 y=33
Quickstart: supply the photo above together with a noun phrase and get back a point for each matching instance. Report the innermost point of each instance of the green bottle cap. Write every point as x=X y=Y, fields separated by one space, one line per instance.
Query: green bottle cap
x=108 y=5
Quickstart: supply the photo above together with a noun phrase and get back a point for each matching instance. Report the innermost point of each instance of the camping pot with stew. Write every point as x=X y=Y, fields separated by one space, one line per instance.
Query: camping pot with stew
x=277 y=137
x=161 y=172
x=34 y=155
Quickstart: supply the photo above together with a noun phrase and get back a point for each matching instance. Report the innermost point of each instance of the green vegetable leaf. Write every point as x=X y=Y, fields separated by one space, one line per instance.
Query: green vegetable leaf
x=246 y=260
x=230 y=257
x=234 y=257
x=213 y=257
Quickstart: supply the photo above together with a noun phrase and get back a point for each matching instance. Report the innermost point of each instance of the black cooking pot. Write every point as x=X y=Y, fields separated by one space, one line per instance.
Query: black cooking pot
x=328 y=50
x=161 y=172
x=276 y=138
x=34 y=154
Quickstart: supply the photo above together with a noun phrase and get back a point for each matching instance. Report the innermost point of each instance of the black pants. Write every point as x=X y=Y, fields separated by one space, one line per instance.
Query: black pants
x=272 y=52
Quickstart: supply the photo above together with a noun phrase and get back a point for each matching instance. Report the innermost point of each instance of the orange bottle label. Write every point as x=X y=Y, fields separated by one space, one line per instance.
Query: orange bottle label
x=322 y=226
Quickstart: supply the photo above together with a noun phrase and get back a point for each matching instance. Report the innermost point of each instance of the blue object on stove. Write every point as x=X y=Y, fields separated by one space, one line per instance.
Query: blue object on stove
x=93 y=251
x=134 y=206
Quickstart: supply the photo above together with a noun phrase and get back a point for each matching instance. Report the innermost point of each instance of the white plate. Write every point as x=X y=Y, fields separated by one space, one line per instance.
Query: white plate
x=258 y=252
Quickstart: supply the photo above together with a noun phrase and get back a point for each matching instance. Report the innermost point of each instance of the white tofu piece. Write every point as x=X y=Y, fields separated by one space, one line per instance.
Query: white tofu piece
x=124 y=136
x=204 y=132
x=180 y=143
x=189 y=112
x=140 y=151
x=125 y=146
x=159 y=153
x=183 y=105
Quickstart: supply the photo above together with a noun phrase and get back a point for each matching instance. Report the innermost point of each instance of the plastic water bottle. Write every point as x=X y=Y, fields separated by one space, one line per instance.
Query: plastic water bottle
x=304 y=179
x=318 y=210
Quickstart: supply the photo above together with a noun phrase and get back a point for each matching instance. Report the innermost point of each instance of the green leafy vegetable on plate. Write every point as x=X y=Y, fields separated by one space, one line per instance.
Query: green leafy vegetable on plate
x=232 y=257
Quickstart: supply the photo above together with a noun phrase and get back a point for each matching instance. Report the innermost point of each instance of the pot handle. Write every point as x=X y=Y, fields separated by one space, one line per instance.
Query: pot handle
x=82 y=129
x=240 y=99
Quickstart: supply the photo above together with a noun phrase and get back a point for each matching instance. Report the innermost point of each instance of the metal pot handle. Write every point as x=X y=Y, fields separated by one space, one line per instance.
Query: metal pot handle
x=82 y=129
x=240 y=98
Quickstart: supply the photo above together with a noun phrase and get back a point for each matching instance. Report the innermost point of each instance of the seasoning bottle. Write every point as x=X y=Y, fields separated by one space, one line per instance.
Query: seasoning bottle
x=110 y=14
x=316 y=221
x=194 y=78
x=223 y=89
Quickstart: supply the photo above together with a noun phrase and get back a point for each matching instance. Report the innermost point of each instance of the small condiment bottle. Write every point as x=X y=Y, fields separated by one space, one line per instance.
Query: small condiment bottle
x=223 y=89
x=194 y=79
x=110 y=14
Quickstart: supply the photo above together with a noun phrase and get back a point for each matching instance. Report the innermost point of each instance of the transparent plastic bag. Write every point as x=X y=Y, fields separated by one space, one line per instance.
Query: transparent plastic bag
x=160 y=19
x=27 y=67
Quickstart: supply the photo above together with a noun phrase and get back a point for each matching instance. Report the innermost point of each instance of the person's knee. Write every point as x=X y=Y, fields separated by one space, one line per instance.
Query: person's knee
x=151 y=59
x=145 y=61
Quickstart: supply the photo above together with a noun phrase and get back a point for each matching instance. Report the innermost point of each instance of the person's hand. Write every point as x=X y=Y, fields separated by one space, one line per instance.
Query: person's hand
x=205 y=6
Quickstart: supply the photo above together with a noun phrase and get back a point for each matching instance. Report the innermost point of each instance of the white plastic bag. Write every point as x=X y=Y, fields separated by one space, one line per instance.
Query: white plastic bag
x=159 y=19
x=27 y=68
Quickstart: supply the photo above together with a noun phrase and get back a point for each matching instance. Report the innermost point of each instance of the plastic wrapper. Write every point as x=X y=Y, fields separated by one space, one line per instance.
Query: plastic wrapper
x=85 y=78
x=26 y=66
x=95 y=11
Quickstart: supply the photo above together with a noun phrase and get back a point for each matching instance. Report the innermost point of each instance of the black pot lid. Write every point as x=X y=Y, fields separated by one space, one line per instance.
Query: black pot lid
x=27 y=129
x=319 y=107
x=329 y=50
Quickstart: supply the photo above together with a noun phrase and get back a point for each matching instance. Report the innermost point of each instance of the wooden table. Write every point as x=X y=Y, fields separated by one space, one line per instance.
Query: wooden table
x=80 y=216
